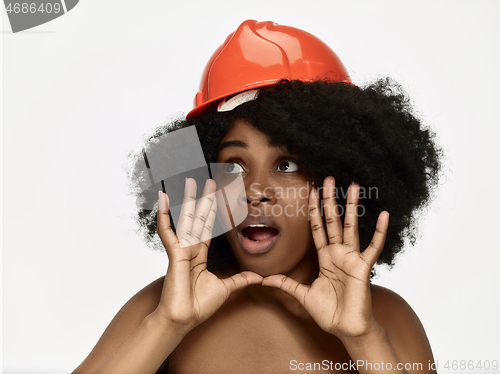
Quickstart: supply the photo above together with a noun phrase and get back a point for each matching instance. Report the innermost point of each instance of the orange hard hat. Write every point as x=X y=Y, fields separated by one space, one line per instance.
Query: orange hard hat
x=260 y=54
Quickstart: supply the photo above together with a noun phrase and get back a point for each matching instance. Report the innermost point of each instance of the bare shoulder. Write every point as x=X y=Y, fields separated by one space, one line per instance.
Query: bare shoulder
x=125 y=322
x=402 y=326
x=392 y=312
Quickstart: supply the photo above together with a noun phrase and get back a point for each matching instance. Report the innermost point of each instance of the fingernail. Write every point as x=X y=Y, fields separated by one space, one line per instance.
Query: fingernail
x=315 y=192
x=162 y=205
x=329 y=181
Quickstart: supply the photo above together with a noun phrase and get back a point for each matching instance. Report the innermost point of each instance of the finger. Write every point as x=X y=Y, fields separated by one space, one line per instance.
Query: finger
x=331 y=209
x=206 y=234
x=203 y=210
x=372 y=252
x=241 y=280
x=164 y=226
x=186 y=216
x=317 y=225
x=288 y=285
x=351 y=234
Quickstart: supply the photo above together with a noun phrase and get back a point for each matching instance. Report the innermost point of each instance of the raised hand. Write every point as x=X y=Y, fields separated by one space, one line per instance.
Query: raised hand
x=339 y=300
x=191 y=294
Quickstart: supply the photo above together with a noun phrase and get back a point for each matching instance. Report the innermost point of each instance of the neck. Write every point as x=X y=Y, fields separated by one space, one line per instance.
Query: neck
x=305 y=272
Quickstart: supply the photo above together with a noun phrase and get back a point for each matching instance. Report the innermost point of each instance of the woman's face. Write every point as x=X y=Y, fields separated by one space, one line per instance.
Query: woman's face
x=276 y=236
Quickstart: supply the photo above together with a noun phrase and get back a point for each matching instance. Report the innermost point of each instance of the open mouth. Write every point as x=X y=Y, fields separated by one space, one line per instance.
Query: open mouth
x=259 y=232
x=258 y=238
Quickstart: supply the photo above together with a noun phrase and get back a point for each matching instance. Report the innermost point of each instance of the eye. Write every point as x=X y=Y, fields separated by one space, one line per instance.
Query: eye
x=288 y=166
x=232 y=168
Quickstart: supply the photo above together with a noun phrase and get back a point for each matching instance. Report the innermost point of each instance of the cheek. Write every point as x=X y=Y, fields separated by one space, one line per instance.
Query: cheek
x=296 y=212
x=231 y=203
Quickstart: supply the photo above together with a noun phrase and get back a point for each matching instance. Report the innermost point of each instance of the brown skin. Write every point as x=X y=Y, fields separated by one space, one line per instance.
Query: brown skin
x=270 y=191
x=211 y=324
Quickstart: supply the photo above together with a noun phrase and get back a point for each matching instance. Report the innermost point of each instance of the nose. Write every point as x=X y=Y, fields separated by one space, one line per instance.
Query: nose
x=259 y=190
x=255 y=203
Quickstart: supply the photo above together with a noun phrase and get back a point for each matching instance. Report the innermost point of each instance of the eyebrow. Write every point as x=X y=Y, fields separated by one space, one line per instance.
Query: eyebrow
x=233 y=143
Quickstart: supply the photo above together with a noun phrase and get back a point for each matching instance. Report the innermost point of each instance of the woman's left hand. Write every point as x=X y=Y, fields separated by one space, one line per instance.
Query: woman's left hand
x=339 y=300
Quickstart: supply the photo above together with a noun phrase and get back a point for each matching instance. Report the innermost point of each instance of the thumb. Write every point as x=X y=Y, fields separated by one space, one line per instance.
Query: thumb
x=241 y=280
x=288 y=285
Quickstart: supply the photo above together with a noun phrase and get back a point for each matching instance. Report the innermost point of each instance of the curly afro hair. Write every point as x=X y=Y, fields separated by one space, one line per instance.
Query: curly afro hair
x=368 y=135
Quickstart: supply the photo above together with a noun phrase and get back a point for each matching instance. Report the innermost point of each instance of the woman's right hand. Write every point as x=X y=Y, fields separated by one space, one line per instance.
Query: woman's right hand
x=191 y=294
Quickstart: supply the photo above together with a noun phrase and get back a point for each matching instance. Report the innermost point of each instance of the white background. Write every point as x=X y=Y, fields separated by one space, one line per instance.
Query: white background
x=81 y=91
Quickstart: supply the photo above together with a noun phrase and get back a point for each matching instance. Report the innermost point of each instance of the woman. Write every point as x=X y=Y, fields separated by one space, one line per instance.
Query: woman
x=288 y=287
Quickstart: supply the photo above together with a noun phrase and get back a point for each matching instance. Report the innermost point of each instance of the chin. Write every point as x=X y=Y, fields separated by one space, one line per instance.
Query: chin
x=264 y=270
x=266 y=264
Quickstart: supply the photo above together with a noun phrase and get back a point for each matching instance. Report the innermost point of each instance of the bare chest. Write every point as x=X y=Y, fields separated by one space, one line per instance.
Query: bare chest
x=257 y=340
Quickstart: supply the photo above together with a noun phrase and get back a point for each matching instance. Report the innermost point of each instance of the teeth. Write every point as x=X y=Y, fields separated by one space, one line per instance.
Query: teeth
x=252 y=226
